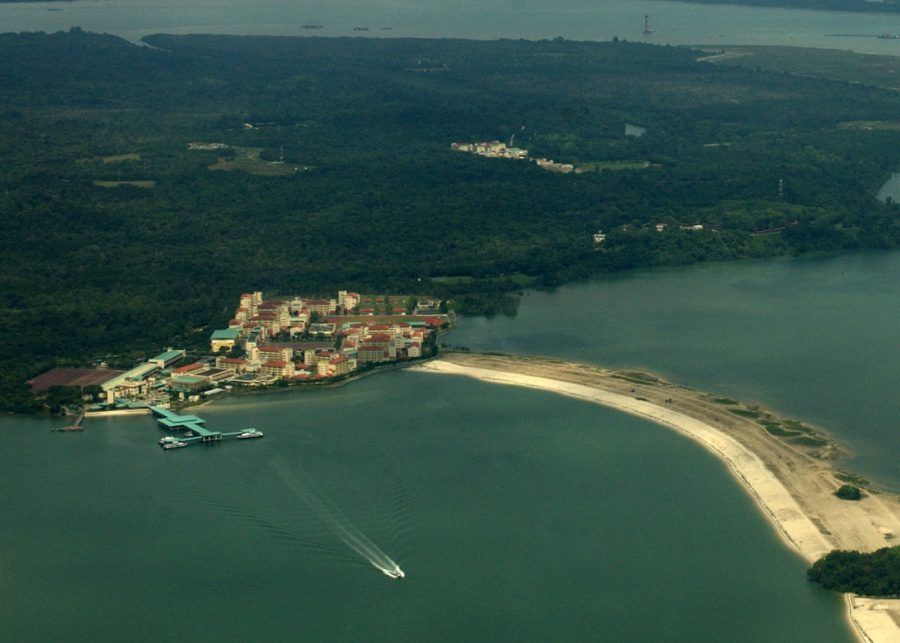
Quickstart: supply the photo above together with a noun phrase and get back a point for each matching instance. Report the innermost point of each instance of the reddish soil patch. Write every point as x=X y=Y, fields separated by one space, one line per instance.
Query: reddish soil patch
x=71 y=377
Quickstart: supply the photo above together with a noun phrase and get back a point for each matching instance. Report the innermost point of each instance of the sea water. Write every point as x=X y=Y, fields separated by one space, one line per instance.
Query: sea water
x=517 y=514
x=673 y=22
x=815 y=338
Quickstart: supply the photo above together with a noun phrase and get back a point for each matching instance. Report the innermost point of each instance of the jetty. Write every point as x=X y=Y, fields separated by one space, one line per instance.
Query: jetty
x=193 y=429
x=75 y=426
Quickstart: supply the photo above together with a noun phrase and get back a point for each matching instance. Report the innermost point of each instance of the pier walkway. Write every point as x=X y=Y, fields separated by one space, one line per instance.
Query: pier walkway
x=174 y=422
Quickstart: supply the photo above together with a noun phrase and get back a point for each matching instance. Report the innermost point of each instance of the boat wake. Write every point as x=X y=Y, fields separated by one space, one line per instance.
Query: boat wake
x=276 y=529
x=336 y=521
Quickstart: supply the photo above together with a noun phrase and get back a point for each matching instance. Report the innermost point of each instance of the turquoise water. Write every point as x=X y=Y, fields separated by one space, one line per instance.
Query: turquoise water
x=816 y=338
x=517 y=515
x=674 y=22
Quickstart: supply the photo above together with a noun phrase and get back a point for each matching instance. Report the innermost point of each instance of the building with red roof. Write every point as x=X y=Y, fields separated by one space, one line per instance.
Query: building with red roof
x=367 y=353
x=184 y=370
x=277 y=368
x=236 y=364
x=338 y=365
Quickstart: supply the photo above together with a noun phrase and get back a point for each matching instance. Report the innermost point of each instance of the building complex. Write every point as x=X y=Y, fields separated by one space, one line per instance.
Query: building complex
x=273 y=340
x=498 y=149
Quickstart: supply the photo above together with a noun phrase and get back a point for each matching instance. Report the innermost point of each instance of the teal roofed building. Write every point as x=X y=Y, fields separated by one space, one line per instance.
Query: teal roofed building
x=132 y=383
x=225 y=338
x=166 y=359
x=188 y=383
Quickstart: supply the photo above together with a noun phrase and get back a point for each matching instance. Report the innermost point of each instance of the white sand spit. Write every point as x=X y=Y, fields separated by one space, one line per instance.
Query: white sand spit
x=793 y=484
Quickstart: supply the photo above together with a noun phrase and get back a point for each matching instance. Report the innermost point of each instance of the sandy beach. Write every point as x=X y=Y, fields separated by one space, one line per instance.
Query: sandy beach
x=791 y=478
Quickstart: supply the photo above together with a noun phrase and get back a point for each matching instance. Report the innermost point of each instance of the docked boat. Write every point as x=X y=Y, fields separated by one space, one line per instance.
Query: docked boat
x=248 y=434
x=168 y=440
x=174 y=445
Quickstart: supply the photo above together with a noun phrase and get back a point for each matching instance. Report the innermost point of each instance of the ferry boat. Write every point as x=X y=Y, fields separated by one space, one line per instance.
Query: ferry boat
x=247 y=434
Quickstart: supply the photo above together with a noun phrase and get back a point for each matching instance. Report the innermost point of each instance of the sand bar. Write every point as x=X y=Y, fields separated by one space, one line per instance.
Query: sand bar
x=793 y=484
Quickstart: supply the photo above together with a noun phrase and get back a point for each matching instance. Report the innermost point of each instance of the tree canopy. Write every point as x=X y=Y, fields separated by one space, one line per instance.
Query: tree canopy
x=334 y=170
x=873 y=574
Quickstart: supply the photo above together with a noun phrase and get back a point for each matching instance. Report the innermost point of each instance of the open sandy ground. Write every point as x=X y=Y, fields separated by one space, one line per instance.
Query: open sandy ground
x=792 y=484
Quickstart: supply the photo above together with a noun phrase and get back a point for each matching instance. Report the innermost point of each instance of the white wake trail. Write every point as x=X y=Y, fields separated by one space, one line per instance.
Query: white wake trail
x=336 y=521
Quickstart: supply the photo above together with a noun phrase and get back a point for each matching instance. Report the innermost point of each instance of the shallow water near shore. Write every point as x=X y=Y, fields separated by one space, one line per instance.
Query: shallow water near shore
x=815 y=338
x=516 y=514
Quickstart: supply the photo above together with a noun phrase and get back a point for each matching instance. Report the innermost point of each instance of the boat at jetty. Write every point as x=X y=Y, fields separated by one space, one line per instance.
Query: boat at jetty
x=173 y=445
x=193 y=429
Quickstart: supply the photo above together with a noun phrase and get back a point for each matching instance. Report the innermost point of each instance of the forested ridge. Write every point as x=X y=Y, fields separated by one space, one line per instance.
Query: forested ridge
x=378 y=200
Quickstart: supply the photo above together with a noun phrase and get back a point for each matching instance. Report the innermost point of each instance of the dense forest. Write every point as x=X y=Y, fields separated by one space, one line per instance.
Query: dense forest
x=873 y=574
x=334 y=169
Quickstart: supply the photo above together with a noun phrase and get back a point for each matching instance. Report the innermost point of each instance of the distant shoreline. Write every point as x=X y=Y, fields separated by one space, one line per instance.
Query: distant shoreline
x=792 y=486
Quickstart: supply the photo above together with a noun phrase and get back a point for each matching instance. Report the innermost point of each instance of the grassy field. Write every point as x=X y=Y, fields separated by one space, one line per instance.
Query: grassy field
x=893 y=126
x=517 y=278
x=247 y=159
x=146 y=185
x=386 y=304
x=600 y=166
x=114 y=158
x=866 y=69
x=119 y=158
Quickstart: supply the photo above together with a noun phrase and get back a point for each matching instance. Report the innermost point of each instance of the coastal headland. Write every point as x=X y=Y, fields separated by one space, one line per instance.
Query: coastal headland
x=792 y=482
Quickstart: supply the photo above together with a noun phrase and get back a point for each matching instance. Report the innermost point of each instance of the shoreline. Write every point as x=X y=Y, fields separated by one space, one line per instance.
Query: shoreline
x=792 y=485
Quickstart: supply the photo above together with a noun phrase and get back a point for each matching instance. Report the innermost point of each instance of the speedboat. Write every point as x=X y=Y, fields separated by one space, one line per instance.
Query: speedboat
x=250 y=433
x=394 y=573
